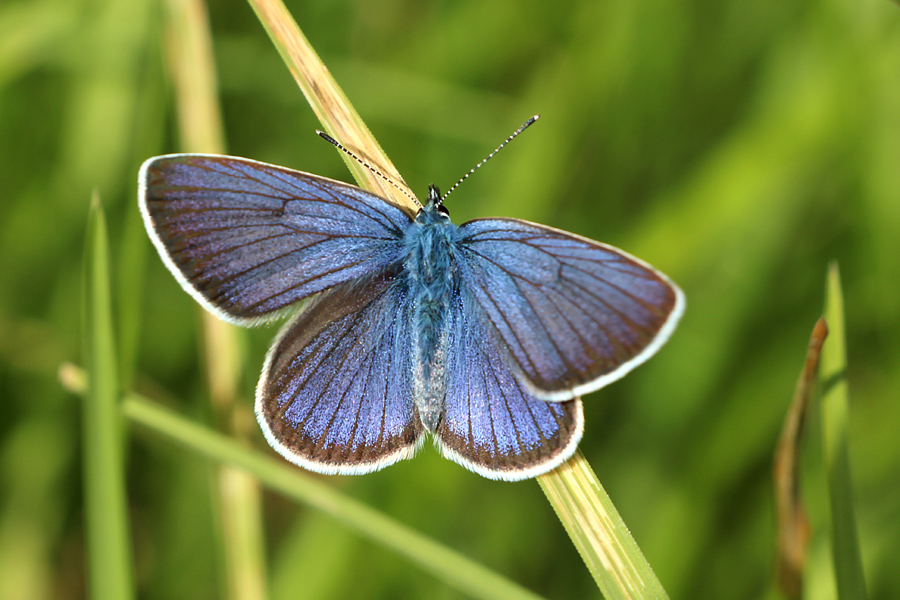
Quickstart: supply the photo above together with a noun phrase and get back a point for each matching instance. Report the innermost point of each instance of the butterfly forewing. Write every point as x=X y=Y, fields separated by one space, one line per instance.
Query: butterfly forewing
x=572 y=314
x=247 y=239
x=491 y=423
x=335 y=395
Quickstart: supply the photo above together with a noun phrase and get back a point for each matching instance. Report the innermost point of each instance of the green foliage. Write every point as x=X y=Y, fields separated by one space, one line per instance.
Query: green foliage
x=738 y=146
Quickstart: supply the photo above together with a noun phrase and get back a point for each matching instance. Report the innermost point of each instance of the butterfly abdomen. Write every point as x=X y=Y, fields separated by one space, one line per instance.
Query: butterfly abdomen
x=432 y=281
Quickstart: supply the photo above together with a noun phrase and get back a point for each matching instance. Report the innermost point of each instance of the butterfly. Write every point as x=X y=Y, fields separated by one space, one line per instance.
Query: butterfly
x=483 y=335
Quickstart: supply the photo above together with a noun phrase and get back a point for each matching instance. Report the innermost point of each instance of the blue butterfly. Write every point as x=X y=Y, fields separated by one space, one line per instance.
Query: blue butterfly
x=483 y=335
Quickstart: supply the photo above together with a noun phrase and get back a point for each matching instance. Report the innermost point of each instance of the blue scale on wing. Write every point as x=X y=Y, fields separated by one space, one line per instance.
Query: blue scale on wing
x=335 y=395
x=252 y=238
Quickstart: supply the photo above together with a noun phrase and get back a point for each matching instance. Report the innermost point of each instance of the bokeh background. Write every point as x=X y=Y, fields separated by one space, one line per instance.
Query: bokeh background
x=737 y=146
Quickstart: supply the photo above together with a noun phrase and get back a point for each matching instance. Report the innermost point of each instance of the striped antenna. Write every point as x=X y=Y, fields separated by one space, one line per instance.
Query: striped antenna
x=524 y=126
x=338 y=145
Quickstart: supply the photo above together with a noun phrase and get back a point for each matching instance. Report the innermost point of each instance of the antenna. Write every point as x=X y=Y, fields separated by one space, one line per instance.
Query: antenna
x=524 y=126
x=338 y=145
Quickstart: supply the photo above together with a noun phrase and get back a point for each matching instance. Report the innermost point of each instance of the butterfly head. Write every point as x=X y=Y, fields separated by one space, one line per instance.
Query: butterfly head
x=434 y=209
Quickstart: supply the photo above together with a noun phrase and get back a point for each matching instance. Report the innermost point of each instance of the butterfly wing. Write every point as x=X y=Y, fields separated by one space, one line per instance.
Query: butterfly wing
x=492 y=424
x=335 y=394
x=573 y=314
x=246 y=239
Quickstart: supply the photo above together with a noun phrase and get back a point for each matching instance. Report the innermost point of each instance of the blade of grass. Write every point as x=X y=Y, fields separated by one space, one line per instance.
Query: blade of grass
x=598 y=532
x=793 y=522
x=239 y=503
x=848 y=568
x=453 y=568
x=106 y=515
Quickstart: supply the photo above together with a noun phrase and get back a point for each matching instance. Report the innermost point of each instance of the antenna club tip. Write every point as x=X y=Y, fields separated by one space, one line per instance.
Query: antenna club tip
x=327 y=138
x=527 y=124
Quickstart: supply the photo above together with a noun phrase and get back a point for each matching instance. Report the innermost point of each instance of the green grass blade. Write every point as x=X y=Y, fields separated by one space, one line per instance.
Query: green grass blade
x=106 y=515
x=598 y=532
x=448 y=565
x=835 y=413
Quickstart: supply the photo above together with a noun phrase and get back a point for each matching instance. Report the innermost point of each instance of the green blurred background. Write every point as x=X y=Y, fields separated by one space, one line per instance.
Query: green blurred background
x=737 y=146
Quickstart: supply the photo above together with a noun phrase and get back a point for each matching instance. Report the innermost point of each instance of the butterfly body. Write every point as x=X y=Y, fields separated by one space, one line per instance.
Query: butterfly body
x=482 y=335
x=432 y=282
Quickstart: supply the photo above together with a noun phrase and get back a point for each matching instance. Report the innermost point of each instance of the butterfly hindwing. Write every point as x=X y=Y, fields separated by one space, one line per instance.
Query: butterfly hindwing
x=247 y=239
x=492 y=424
x=335 y=394
x=573 y=314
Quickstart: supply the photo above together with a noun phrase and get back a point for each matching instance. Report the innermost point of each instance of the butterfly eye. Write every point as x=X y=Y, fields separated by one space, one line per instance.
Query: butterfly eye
x=443 y=210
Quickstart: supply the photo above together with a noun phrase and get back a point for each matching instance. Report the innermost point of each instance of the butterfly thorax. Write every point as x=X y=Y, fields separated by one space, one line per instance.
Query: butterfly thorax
x=433 y=283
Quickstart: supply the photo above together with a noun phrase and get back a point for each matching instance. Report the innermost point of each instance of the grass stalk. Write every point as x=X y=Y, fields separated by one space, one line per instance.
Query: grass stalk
x=337 y=115
x=598 y=532
x=106 y=514
x=793 y=534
